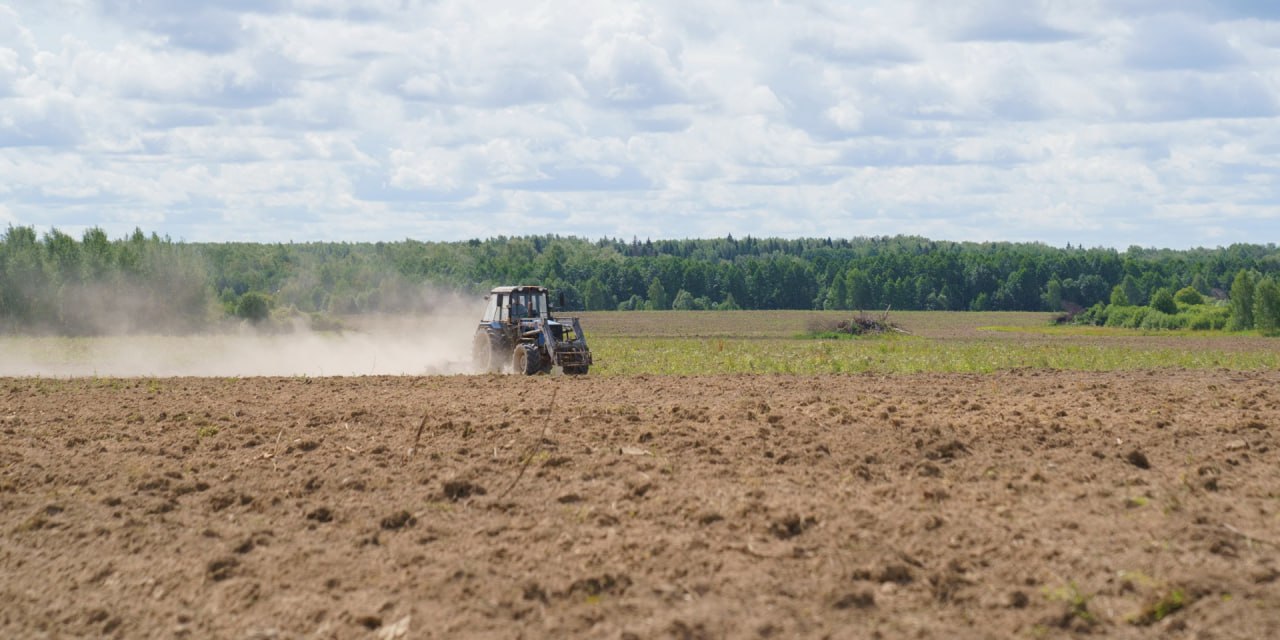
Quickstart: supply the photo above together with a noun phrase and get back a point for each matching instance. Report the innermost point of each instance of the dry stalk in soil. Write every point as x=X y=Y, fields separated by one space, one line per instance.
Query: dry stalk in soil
x=532 y=451
x=414 y=448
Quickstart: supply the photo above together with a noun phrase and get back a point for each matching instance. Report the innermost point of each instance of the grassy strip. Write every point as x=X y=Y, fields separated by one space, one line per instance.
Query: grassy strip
x=701 y=356
x=1089 y=330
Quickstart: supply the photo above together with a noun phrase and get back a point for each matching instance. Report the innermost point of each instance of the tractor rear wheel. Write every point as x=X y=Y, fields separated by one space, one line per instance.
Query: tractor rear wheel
x=526 y=359
x=484 y=353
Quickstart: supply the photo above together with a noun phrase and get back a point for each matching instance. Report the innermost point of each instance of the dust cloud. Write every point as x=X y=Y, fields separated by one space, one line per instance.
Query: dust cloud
x=436 y=342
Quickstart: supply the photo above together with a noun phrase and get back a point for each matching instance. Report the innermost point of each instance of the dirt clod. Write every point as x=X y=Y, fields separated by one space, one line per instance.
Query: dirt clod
x=1138 y=459
x=856 y=600
x=791 y=526
x=595 y=586
x=222 y=568
x=947 y=450
x=456 y=490
x=320 y=514
x=398 y=520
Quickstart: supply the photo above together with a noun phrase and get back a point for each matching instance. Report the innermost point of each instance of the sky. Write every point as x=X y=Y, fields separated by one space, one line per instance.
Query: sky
x=1092 y=122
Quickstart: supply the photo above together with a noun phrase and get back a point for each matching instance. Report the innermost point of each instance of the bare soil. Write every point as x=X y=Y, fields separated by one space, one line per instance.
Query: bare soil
x=1025 y=504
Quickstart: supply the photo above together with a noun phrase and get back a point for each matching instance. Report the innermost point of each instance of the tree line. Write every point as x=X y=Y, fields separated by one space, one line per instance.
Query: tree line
x=56 y=283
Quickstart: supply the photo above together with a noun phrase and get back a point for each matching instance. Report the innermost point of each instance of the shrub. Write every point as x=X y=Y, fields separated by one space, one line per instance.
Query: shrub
x=1163 y=302
x=1188 y=296
x=634 y=303
x=1125 y=316
x=1096 y=315
x=254 y=307
x=729 y=304
x=1158 y=320
x=323 y=322
x=683 y=301
x=1208 y=318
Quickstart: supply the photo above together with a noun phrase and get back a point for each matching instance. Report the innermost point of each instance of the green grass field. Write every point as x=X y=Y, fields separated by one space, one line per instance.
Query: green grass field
x=690 y=343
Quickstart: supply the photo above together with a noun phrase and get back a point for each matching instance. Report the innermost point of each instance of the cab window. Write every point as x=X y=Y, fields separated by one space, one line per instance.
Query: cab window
x=520 y=306
x=491 y=308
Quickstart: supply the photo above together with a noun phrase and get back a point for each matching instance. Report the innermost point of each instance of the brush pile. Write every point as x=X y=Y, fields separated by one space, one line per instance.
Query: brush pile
x=858 y=325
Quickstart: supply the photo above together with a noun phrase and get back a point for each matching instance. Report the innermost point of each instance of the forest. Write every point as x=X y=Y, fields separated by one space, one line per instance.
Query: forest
x=57 y=284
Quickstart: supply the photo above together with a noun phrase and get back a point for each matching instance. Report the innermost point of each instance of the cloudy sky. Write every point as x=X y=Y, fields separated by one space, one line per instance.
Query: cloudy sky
x=1096 y=122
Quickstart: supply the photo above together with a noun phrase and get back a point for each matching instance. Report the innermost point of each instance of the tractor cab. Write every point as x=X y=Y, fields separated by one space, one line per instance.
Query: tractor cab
x=509 y=305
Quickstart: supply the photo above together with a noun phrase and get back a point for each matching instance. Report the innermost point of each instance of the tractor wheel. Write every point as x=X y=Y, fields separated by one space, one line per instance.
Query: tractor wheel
x=579 y=370
x=526 y=359
x=484 y=353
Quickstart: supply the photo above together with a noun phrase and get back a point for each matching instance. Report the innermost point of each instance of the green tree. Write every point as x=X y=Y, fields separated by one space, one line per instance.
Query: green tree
x=1163 y=302
x=1188 y=296
x=728 y=304
x=1266 y=307
x=64 y=256
x=254 y=307
x=1200 y=284
x=594 y=295
x=1052 y=295
x=1093 y=288
x=684 y=301
x=1133 y=291
x=860 y=289
x=837 y=294
x=634 y=303
x=1019 y=291
x=657 y=296
x=1241 y=301
x=1118 y=297
x=97 y=253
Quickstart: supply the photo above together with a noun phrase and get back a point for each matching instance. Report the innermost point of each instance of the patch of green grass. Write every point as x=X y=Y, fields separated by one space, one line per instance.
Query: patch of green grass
x=108 y=382
x=899 y=354
x=1089 y=330
x=1163 y=607
x=1076 y=600
x=827 y=335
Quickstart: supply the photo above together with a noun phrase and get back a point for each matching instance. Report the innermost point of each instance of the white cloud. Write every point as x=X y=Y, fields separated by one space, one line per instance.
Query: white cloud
x=39 y=121
x=1133 y=122
x=1003 y=21
x=1179 y=42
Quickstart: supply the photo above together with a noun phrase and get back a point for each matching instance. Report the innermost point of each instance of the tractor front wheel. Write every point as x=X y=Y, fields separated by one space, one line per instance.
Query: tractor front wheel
x=526 y=359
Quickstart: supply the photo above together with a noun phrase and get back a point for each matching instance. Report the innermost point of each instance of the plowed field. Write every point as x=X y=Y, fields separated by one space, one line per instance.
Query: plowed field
x=1017 y=504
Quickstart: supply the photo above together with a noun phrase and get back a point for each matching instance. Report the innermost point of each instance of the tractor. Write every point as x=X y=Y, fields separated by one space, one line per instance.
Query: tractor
x=517 y=328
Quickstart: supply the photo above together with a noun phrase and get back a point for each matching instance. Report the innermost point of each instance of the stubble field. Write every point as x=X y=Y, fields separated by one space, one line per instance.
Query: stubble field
x=1023 y=502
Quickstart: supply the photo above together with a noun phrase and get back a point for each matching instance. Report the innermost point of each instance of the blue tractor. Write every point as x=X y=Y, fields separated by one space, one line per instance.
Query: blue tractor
x=517 y=329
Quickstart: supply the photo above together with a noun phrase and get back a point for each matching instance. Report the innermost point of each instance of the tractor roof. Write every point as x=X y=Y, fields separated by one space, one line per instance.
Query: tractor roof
x=523 y=288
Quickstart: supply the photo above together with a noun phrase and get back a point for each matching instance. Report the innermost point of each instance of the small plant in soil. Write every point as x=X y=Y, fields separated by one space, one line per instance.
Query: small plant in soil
x=1077 y=601
x=1162 y=608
